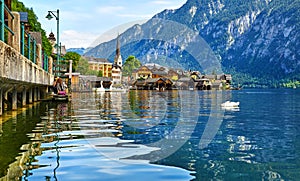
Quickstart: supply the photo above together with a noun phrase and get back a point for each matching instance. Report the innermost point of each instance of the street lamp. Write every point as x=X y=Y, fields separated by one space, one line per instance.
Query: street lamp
x=49 y=17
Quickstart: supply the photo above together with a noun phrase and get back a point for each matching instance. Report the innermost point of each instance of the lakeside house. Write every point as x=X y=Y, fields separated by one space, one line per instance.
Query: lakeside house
x=153 y=84
x=154 y=77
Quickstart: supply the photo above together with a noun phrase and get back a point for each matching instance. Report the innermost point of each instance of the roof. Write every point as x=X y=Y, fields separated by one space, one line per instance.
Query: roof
x=160 y=72
x=153 y=80
x=97 y=60
x=51 y=37
x=185 y=79
x=140 y=82
x=144 y=68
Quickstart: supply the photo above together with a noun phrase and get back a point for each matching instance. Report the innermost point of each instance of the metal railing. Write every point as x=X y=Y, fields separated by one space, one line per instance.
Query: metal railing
x=28 y=43
x=3 y=26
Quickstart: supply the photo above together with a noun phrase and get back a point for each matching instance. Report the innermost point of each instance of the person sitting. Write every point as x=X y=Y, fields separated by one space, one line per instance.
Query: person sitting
x=60 y=87
x=53 y=87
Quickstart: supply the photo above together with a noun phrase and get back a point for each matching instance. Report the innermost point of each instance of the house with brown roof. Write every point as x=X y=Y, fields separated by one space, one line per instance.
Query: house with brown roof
x=142 y=73
x=185 y=83
x=153 y=84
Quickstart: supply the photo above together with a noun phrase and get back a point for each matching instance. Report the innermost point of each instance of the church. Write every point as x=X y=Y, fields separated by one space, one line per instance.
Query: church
x=117 y=66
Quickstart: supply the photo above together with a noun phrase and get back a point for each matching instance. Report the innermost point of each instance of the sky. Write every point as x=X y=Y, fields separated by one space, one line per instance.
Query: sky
x=82 y=22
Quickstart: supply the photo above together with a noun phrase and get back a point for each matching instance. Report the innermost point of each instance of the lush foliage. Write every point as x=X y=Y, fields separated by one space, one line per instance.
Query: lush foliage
x=292 y=84
x=75 y=57
x=83 y=68
x=130 y=64
x=34 y=24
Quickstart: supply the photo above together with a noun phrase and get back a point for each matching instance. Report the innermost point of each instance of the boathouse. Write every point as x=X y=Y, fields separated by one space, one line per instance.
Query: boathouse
x=153 y=84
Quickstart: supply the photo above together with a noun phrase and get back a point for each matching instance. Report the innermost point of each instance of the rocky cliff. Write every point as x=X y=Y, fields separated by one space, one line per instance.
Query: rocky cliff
x=254 y=39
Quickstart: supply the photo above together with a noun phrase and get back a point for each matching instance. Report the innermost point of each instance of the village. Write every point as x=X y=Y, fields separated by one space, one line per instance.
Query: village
x=146 y=77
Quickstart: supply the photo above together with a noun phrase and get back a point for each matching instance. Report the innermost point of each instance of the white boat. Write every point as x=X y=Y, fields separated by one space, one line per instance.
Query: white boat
x=229 y=104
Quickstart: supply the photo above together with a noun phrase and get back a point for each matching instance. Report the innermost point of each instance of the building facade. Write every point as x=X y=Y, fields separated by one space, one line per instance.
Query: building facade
x=100 y=64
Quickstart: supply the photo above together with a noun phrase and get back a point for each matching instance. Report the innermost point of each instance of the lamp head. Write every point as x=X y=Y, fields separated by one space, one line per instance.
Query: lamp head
x=49 y=16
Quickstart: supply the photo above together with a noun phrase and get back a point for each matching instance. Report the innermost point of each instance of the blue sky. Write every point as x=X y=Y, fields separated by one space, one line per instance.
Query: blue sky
x=84 y=21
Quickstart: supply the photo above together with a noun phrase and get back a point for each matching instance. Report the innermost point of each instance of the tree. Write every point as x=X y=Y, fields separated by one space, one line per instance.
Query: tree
x=34 y=24
x=100 y=73
x=83 y=66
x=130 y=64
x=72 y=56
x=92 y=72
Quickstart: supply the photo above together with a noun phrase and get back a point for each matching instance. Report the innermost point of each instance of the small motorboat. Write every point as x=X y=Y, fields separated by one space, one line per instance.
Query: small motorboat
x=229 y=104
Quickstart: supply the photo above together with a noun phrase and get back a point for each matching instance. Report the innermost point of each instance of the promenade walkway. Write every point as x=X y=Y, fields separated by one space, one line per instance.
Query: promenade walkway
x=25 y=71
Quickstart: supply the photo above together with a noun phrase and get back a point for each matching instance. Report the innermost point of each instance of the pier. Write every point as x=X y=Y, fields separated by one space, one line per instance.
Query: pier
x=25 y=71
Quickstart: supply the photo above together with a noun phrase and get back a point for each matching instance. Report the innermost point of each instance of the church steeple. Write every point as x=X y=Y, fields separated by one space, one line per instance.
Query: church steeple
x=118 y=57
x=117 y=66
x=51 y=37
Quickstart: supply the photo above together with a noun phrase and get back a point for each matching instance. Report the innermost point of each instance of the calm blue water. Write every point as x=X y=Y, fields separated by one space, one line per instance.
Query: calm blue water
x=176 y=135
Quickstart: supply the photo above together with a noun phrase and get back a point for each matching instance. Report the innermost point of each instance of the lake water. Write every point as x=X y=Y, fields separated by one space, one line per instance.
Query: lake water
x=150 y=135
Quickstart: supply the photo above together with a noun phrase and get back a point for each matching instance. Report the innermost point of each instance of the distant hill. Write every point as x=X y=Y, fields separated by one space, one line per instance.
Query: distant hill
x=256 y=40
x=80 y=51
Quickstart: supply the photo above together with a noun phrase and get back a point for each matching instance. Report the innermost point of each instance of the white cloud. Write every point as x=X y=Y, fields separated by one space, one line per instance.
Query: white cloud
x=112 y=33
x=81 y=22
x=75 y=39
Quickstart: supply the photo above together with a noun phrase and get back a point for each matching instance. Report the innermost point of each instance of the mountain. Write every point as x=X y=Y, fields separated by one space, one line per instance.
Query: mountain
x=80 y=51
x=255 y=40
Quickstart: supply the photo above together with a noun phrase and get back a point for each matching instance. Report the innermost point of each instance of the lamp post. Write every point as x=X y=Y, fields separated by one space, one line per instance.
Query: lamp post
x=49 y=17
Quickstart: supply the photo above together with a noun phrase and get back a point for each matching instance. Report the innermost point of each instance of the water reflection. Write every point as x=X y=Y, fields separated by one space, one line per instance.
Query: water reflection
x=14 y=127
x=132 y=135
